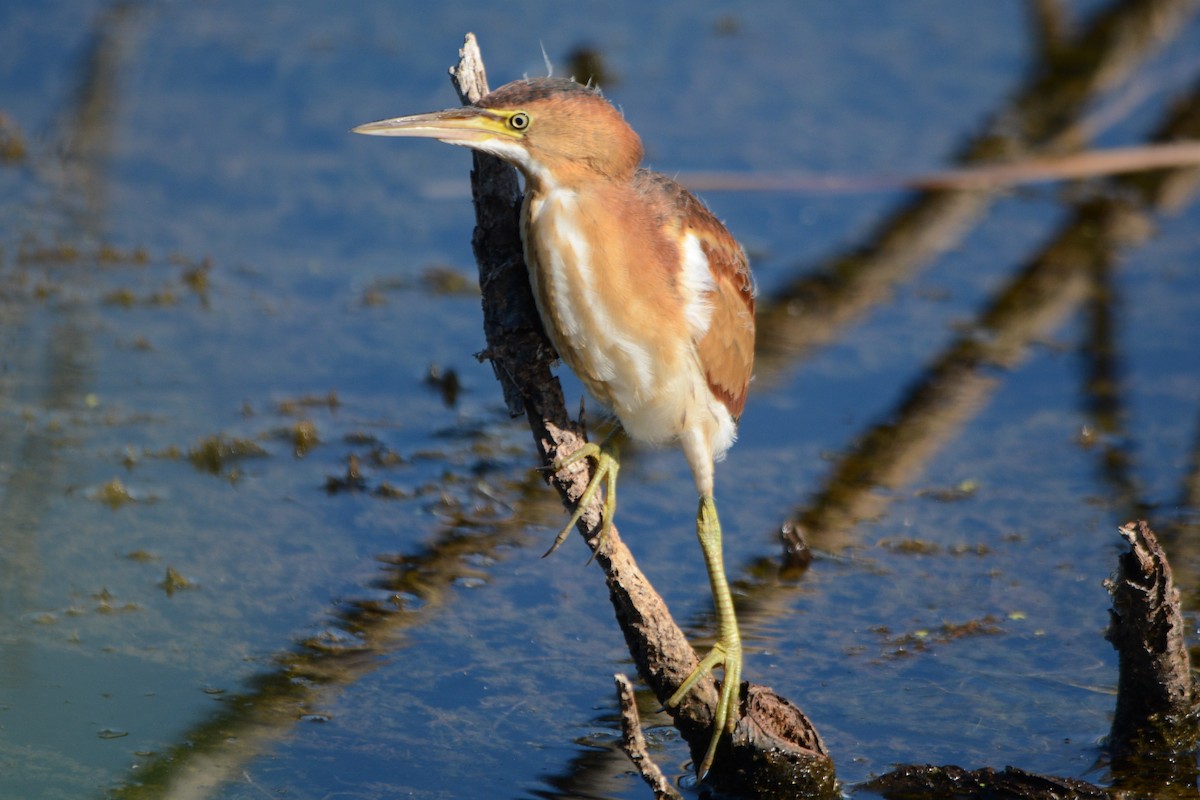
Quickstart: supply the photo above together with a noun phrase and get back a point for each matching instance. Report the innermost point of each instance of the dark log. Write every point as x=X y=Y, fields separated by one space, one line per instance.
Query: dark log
x=925 y=782
x=1154 y=729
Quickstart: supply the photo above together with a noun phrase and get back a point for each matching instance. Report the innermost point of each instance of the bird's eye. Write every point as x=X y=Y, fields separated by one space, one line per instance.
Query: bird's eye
x=519 y=121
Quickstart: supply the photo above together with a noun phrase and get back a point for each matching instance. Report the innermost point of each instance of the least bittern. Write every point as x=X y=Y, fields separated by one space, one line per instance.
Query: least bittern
x=643 y=292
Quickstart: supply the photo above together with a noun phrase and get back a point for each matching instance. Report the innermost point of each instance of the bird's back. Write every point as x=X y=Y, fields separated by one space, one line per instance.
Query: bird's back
x=726 y=343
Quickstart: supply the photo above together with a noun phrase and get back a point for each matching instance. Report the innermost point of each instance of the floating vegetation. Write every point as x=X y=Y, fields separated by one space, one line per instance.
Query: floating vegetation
x=440 y=280
x=905 y=644
x=48 y=254
x=376 y=292
x=106 y=603
x=304 y=437
x=389 y=492
x=292 y=406
x=443 y=280
x=196 y=278
x=108 y=254
x=923 y=547
x=63 y=253
x=174 y=582
x=380 y=456
x=127 y=298
x=351 y=481
x=115 y=494
x=12 y=143
x=444 y=380
x=215 y=453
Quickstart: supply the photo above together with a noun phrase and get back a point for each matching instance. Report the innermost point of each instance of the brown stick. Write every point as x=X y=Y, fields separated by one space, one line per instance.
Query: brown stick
x=774 y=745
x=634 y=743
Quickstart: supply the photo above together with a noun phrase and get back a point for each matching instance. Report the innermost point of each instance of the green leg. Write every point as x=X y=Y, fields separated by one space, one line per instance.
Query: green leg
x=607 y=456
x=728 y=650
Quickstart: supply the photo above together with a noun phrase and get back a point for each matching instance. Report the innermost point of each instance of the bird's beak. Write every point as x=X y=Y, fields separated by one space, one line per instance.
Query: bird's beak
x=468 y=125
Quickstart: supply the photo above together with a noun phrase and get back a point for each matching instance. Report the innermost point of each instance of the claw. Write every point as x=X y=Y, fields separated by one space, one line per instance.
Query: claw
x=729 y=656
x=607 y=458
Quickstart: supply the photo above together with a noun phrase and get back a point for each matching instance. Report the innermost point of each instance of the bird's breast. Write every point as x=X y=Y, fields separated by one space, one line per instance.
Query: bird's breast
x=584 y=284
x=627 y=300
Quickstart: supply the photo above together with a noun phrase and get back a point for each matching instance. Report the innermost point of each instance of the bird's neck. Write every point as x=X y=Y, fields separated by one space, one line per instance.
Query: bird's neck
x=576 y=177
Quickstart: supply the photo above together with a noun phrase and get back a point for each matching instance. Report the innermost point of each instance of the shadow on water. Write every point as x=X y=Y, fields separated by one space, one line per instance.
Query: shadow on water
x=1072 y=273
x=51 y=369
x=1043 y=117
x=409 y=591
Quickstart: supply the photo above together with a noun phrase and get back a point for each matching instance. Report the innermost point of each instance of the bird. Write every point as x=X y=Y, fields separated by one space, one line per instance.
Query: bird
x=643 y=292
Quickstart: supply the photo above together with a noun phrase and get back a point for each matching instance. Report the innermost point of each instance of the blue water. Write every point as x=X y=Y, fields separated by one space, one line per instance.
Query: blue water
x=194 y=246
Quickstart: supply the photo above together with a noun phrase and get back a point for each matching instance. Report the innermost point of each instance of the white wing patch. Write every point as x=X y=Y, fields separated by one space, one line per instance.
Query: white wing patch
x=570 y=255
x=697 y=284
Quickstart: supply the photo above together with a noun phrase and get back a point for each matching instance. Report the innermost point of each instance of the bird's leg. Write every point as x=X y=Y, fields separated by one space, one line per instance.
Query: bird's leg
x=727 y=652
x=607 y=455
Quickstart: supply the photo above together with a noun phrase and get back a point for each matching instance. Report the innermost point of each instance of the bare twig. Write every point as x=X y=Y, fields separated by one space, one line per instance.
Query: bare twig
x=634 y=743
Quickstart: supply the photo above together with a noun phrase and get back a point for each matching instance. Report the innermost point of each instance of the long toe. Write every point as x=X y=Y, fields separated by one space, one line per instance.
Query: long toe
x=728 y=655
x=604 y=474
x=726 y=717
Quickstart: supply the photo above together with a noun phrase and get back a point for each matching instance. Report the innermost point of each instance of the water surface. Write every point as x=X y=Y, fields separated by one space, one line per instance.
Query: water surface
x=212 y=297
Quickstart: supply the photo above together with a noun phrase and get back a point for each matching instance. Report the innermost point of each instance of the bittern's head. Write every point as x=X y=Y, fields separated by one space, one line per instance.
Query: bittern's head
x=553 y=129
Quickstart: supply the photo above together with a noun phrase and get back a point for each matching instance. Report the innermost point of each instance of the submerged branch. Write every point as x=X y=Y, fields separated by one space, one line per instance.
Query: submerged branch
x=1043 y=118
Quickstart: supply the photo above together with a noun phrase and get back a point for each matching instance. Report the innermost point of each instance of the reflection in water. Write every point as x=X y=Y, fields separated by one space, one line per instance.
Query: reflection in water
x=57 y=368
x=1043 y=117
x=35 y=456
x=86 y=127
x=409 y=591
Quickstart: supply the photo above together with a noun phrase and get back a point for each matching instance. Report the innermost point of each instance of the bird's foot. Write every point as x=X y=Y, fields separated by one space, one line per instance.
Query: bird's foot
x=729 y=655
x=607 y=458
x=727 y=652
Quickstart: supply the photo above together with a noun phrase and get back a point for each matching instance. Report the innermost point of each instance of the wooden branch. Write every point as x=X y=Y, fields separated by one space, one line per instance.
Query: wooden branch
x=774 y=745
x=634 y=743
